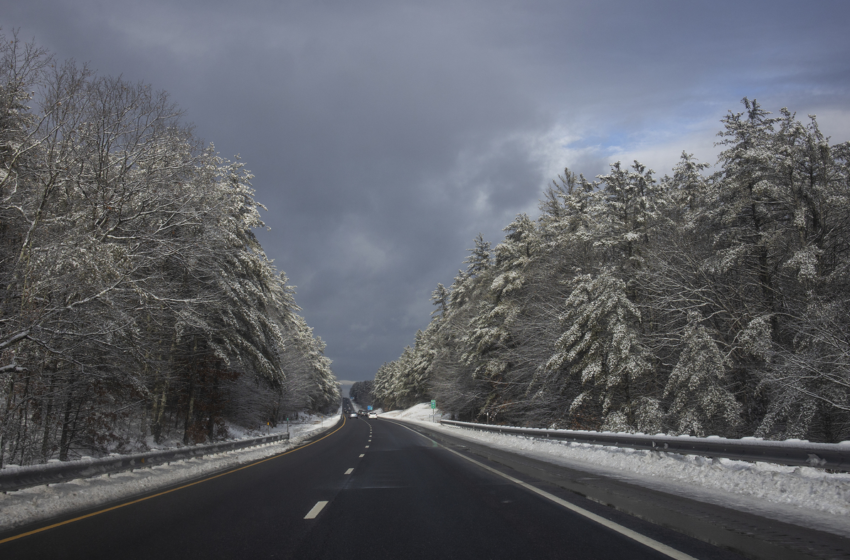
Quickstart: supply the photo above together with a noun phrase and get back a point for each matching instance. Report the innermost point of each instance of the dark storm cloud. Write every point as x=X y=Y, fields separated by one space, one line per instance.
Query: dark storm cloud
x=384 y=136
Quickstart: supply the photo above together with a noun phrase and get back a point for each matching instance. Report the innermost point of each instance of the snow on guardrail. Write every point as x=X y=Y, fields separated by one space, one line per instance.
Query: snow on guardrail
x=835 y=456
x=15 y=478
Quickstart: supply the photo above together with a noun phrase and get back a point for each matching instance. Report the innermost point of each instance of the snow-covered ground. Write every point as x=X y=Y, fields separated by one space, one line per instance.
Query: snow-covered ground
x=420 y=413
x=43 y=502
x=800 y=495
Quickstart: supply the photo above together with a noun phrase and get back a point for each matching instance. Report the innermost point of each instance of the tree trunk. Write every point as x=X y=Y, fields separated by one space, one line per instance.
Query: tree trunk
x=189 y=421
x=45 y=441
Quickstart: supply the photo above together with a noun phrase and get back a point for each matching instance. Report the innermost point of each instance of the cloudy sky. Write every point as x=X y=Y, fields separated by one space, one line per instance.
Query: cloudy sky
x=384 y=135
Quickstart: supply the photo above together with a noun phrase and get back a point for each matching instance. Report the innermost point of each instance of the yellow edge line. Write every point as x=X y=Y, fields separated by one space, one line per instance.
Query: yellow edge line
x=34 y=531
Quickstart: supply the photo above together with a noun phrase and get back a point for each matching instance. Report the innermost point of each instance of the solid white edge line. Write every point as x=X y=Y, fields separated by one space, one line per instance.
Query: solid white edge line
x=315 y=511
x=625 y=531
x=349 y=471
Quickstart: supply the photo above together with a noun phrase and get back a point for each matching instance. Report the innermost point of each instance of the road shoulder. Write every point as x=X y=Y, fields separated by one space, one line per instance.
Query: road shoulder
x=33 y=508
x=749 y=534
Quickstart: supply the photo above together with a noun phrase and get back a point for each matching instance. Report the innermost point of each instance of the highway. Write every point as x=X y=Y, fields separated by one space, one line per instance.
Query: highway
x=367 y=488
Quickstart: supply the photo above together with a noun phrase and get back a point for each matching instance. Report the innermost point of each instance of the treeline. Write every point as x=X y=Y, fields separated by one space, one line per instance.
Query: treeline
x=698 y=303
x=136 y=302
x=361 y=392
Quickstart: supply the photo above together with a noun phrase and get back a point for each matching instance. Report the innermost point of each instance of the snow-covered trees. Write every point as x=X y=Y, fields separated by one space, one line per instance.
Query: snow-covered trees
x=135 y=296
x=700 y=402
x=602 y=348
x=405 y=382
x=362 y=392
x=695 y=303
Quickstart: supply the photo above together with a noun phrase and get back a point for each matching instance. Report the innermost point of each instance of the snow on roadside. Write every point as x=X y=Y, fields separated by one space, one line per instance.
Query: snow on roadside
x=420 y=412
x=43 y=502
x=801 y=495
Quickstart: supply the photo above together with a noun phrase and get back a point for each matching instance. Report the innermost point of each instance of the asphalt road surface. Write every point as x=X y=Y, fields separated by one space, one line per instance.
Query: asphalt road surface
x=369 y=489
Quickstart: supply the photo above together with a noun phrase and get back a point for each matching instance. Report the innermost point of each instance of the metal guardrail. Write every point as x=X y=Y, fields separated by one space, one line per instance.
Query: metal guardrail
x=15 y=478
x=835 y=456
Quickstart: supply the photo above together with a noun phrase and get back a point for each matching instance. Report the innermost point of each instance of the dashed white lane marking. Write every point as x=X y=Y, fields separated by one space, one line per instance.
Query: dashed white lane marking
x=626 y=532
x=315 y=511
x=349 y=471
x=362 y=454
x=367 y=447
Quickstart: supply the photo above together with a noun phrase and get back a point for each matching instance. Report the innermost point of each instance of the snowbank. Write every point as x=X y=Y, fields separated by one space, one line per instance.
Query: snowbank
x=43 y=502
x=801 y=495
x=420 y=412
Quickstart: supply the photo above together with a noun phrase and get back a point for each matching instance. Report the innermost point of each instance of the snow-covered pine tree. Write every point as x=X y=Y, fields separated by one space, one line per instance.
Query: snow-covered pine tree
x=490 y=342
x=450 y=374
x=602 y=347
x=701 y=404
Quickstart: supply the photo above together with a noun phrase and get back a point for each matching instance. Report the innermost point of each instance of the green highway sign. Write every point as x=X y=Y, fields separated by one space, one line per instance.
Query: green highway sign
x=433 y=404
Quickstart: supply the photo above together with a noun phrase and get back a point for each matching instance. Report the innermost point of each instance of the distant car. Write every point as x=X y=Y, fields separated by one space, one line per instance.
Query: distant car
x=353 y=415
x=373 y=415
